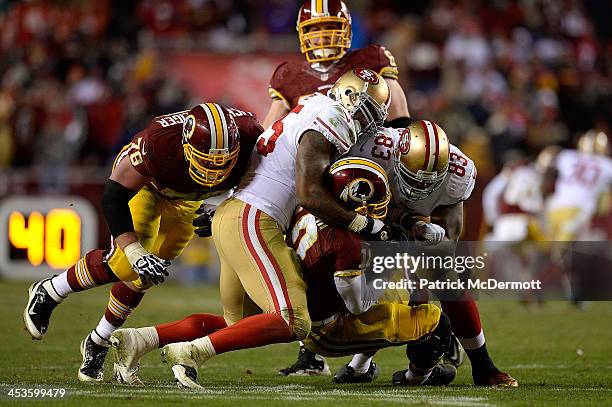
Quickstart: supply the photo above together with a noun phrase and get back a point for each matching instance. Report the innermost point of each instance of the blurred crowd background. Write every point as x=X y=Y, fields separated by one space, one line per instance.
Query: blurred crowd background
x=79 y=78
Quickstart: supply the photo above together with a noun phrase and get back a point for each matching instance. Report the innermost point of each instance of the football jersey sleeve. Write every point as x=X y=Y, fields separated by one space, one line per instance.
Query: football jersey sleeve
x=277 y=83
x=346 y=248
x=137 y=151
x=248 y=127
x=462 y=175
x=336 y=126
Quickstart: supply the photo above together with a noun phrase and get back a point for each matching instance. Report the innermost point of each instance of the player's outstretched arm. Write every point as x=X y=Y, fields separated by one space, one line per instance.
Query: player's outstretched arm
x=120 y=188
x=399 y=106
x=314 y=157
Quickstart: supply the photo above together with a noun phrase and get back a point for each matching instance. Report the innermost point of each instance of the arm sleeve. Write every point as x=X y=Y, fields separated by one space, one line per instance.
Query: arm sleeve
x=116 y=209
x=275 y=89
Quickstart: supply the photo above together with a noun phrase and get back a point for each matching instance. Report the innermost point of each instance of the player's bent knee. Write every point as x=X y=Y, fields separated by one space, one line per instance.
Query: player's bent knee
x=301 y=324
x=426 y=352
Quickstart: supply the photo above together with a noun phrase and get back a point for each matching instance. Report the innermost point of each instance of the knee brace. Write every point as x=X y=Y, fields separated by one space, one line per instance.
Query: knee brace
x=426 y=352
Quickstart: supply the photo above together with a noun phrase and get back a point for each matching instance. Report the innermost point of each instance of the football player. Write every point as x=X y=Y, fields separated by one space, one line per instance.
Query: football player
x=287 y=169
x=431 y=178
x=585 y=176
x=332 y=265
x=158 y=181
x=324 y=31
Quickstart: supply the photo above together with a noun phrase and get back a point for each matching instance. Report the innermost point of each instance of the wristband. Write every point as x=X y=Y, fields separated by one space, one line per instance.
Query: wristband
x=134 y=251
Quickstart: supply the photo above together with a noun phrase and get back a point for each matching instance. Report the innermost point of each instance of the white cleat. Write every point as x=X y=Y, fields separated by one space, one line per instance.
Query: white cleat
x=129 y=346
x=184 y=365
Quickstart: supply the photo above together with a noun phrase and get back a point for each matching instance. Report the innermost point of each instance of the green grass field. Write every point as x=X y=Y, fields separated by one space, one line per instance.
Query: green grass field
x=539 y=346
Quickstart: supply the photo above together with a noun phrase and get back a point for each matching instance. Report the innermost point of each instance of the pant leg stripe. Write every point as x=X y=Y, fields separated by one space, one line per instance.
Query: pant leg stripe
x=249 y=238
x=276 y=274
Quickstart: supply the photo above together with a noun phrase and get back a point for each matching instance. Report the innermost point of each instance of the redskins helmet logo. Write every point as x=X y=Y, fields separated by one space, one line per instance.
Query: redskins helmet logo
x=188 y=128
x=404 y=141
x=360 y=190
x=366 y=75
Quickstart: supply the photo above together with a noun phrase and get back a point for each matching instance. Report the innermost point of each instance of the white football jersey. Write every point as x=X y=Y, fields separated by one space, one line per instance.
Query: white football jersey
x=582 y=179
x=492 y=195
x=269 y=183
x=456 y=187
x=523 y=193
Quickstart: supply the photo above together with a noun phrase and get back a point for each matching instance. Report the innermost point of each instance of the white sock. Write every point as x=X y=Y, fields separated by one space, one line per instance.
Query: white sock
x=204 y=349
x=473 y=343
x=361 y=363
x=56 y=287
x=150 y=336
x=103 y=332
x=415 y=379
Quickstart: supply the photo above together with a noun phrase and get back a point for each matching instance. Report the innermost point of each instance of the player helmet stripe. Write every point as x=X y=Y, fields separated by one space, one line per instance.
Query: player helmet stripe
x=421 y=159
x=211 y=143
x=324 y=44
x=362 y=185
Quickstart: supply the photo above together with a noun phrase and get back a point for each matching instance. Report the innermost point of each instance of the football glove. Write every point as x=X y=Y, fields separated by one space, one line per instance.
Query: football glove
x=369 y=228
x=203 y=222
x=428 y=234
x=149 y=267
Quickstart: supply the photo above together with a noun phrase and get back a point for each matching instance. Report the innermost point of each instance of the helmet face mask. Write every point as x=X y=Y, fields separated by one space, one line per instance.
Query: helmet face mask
x=324 y=30
x=207 y=127
x=421 y=160
x=366 y=97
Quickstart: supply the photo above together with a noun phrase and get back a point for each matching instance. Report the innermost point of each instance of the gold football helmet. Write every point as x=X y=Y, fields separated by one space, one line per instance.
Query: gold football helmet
x=365 y=95
x=324 y=29
x=594 y=142
x=362 y=185
x=421 y=159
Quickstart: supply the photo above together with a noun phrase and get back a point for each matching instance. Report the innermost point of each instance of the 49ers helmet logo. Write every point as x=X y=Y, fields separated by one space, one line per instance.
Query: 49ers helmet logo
x=404 y=141
x=366 y=75
x=188 y=128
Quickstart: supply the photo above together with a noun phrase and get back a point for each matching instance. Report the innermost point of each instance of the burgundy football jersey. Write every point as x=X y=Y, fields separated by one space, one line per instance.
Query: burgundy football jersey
x=157 y=152
x=324 y=250
x=293 y=81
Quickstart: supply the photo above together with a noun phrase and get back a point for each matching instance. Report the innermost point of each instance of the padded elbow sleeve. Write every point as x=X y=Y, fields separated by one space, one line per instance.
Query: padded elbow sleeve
x=115 y=205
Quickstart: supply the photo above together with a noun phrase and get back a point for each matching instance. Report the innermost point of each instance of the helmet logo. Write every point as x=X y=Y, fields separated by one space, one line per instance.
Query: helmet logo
x=404 y=142
x=360 y=190
x=366 y=75
x=188 y=128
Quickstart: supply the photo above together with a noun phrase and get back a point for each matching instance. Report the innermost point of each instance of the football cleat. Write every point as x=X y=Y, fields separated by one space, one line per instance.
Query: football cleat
x=348 y=375
x=455 y=354
x=441 y=375
x=92 y=368
x=128 y=347
x=307 y=364
x=496 y=379
x=182 y=358
x=38 y=310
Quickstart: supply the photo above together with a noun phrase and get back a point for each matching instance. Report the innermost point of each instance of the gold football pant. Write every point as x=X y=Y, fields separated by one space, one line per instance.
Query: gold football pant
x=565 y=224
x=163 y=227
x=383 y=325
x=258 y=267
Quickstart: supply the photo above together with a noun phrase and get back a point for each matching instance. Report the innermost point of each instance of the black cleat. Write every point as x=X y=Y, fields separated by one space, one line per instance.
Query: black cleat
x=307 y=364
x=441 y=375
x=38 y=310
x=455 y=354
x=92 y=368
x=348 y=375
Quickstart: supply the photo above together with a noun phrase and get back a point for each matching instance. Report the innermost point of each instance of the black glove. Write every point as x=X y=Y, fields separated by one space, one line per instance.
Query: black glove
x=375 y=230
x=151 y=268
x=203 y=222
